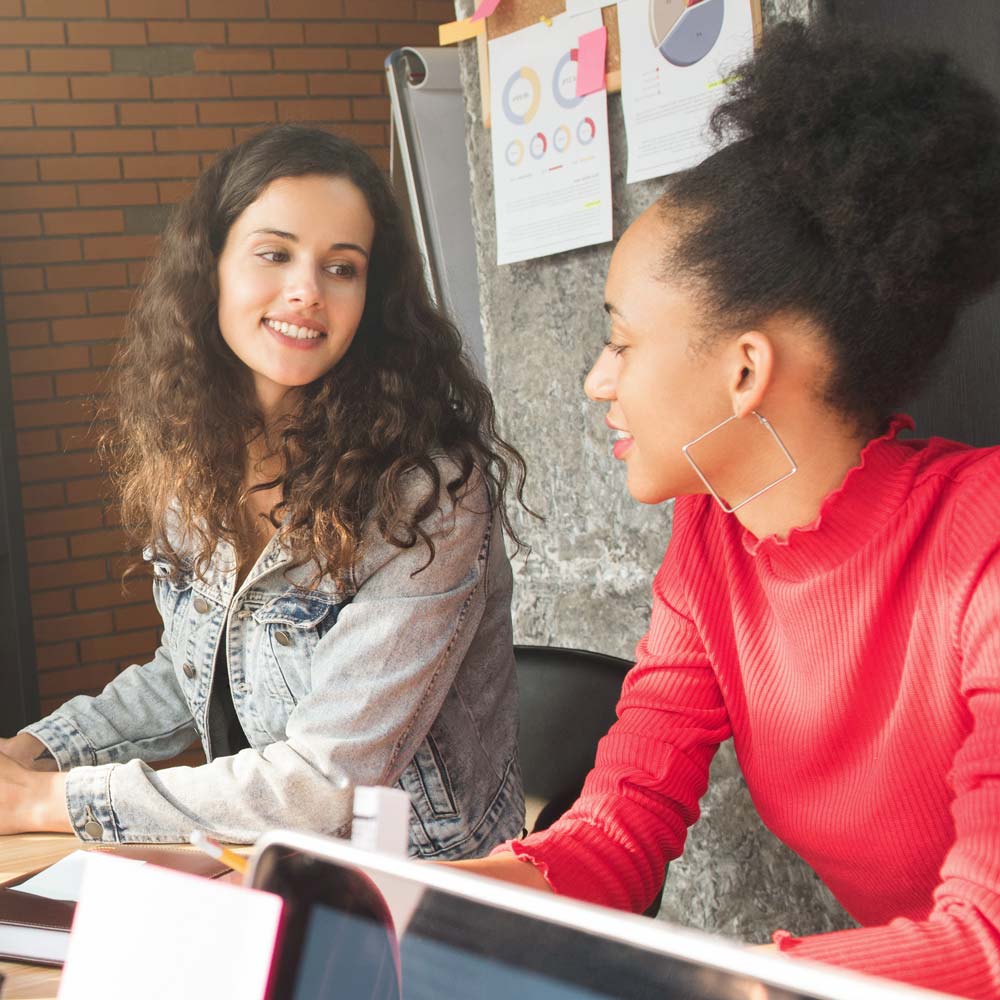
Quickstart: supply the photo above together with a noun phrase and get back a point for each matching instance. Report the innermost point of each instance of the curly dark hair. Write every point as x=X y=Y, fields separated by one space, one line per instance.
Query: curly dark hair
x=184 y=410
x=860 y=187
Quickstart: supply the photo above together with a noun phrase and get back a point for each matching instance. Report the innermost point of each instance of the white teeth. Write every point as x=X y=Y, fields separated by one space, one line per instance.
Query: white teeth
x=293 y=331
x=621 y=435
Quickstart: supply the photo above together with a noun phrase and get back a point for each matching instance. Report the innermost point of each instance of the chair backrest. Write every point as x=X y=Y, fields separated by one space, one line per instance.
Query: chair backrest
x=567 y=703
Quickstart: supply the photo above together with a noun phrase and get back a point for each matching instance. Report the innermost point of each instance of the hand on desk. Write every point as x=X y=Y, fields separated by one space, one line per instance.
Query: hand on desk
x=31 y=801
x=28 y=752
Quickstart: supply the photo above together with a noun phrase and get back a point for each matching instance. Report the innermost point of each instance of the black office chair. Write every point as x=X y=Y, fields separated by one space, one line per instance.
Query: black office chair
x=567 y=703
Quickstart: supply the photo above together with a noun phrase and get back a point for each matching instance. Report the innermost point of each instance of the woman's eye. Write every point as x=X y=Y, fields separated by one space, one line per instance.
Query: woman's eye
x=617 y=349
x=273 y=256
x=341 y=270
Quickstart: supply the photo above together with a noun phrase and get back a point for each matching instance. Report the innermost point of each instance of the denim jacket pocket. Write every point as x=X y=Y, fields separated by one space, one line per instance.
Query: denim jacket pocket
x=292 y=624
x=427 y=781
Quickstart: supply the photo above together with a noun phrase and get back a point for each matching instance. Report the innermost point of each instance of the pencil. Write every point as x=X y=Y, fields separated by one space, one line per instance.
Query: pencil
x=237 y=862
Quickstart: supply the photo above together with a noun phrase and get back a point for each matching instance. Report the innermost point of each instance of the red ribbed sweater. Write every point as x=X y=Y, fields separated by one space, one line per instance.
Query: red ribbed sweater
x=856 y=665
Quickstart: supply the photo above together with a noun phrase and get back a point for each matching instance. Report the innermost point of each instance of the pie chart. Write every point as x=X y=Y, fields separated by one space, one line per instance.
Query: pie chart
x=685 y=31
x=521 y=96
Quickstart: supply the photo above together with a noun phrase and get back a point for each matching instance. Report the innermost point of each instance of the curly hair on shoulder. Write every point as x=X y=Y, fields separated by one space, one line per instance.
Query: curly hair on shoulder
x=183 y=408
x=860 y=187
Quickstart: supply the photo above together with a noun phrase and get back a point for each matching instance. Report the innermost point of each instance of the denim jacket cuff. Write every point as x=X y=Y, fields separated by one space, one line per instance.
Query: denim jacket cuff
x=88 y=801
x=64 y=741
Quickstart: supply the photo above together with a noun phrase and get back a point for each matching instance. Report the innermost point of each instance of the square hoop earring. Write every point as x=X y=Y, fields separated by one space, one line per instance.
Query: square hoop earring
x=765 y=423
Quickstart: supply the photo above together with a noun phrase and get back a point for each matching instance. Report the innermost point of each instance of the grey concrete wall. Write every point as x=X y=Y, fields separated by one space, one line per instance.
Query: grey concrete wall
x=586 y=580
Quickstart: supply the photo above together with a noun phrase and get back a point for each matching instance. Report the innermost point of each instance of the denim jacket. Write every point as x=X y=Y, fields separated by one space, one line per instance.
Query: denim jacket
x=392 y=677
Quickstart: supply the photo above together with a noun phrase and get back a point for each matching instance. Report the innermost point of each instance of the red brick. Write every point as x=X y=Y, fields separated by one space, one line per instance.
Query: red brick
x=20 y=170
x=234 y=112
x=242 y=9
x=63 y=654
x=38 y=251
x=325 y=109
x=178 y=87
x=345 y=83
x=160 y=166
x=75 y=113
x=146 y=8
x=310 y=58
x=27 y=334
x=13 y=61
x=46 y=550
x=143 y=113
x=103 y=354
x=45 y=305
x=137 y=271
x=192 y=139
x=23 y=279
x=48 y=359
x=74 y=626
x=367 y=59
x=403 y=33
x=97 y=543
x=144 y=616
x=171 y=192
x=15 y=116
x=88 y=490
x=36 y=88
x=87 y=276
x=109 y=88
x=86 y=436
x=106 y=33
x=42 y=495
x=231 y=60
x=106 y=595
x=358 y=33
x=19 y=196
x=268 y=84
x=25 y=32
x=31 y=387
x=80 y=168
x=62 y=522
x=83 y=220
x=20 y=141
x=114 y=140
x=397 y=10
x=363 y=134
x=38 y=442
x=142 y=644
x=20 y=224
x=265 y=33
x=56 y=467
x=319 y=10
x=64 y=8
x=79 y=384
x=66 y=331
x=437 y=11
x=186 y=33
x=118 y=247
x=52 y=413
x=122 y=193
x=69 y=60
x=52 y=602
x=370 y=109
x=115 y=301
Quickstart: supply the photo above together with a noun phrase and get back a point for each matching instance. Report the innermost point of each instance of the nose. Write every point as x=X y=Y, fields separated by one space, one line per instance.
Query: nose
x=601 y=381
x=304 y=287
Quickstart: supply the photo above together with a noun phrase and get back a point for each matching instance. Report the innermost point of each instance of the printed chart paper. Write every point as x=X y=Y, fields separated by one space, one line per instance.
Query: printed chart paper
x=551 y=165
x=675 y=59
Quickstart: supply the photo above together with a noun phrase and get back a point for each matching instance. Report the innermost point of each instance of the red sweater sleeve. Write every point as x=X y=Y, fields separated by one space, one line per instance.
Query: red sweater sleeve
x=957 y=948
x=651 y=769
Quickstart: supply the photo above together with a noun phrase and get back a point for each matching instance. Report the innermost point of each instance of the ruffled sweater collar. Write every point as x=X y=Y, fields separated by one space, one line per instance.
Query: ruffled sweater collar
x=849 y=517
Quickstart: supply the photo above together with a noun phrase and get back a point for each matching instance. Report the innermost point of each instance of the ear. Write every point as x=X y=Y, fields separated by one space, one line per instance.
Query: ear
x=752 y=369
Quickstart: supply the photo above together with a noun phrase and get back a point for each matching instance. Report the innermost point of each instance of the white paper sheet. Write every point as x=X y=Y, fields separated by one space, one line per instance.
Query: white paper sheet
x=551 y=166
x=62 y=880
x=158 y=934
x=675 y=60
x=576 y=7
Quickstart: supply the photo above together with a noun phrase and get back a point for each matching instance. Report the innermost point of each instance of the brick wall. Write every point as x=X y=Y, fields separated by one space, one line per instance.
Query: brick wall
x=108 y=109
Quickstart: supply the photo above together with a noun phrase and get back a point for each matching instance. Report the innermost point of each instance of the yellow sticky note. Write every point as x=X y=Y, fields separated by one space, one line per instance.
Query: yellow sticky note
x=459 y=31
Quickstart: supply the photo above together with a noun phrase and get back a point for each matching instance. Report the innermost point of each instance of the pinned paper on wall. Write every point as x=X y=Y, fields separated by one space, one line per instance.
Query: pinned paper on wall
x=551 y=161
x=575 y=7
x=591 y=51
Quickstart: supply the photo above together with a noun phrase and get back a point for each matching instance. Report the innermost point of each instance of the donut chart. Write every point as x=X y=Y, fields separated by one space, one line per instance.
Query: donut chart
x=564 y=82
x=586 y=131
x=522 y=95
x=514 y=153
x=560 y=139
x=538 y=145
x=685 y=34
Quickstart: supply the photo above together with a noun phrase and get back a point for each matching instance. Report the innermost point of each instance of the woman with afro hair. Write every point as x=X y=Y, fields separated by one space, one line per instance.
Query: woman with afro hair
x=830 y=597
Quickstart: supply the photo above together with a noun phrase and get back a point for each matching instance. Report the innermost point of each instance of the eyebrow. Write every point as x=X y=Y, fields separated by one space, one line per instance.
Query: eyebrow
x=612 y=310
x=291 y=236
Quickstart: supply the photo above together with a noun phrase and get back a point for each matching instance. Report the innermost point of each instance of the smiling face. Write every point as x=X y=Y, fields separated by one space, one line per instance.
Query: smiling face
x=292 y=279
x=662 y=393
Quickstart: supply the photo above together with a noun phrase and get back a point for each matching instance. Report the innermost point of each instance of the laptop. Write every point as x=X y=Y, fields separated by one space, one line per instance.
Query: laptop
x=365 y=925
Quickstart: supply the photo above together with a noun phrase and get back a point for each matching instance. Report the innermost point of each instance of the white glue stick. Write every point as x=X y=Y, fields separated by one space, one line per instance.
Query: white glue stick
x=381 y=819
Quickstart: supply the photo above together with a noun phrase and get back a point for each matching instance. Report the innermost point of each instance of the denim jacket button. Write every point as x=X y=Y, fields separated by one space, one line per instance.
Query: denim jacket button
x=201 y=605
x=282 y=638
x=93 y=829
x=189 y=671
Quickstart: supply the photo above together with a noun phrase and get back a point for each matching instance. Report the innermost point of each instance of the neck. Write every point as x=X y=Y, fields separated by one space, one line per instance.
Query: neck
x=824 y=450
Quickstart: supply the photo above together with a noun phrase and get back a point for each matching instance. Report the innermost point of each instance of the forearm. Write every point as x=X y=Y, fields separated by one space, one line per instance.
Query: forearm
x=29 y=752
x=506 y=867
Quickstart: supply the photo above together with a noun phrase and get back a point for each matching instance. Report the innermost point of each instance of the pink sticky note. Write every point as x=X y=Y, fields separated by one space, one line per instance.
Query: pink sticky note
x=590 y=61
x=485 y=9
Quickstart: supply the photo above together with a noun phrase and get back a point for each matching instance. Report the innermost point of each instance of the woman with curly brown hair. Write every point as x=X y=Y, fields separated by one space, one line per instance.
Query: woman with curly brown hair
x=313 y=470
x=830 y=597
